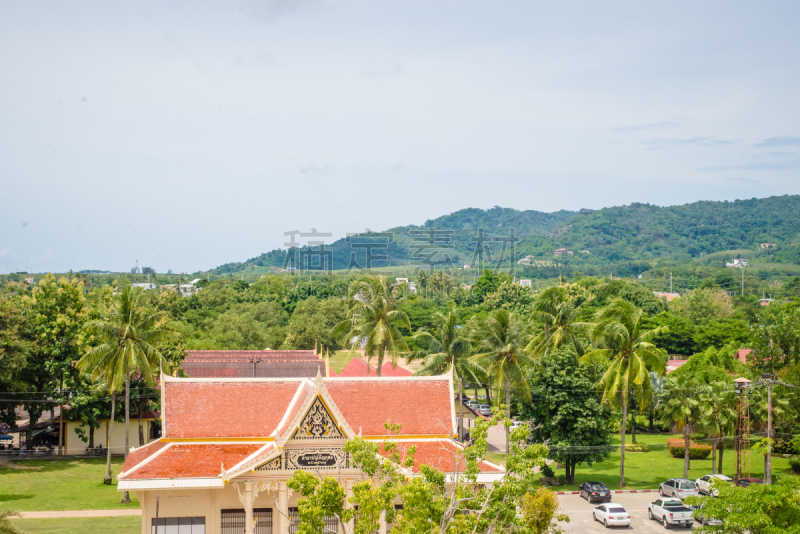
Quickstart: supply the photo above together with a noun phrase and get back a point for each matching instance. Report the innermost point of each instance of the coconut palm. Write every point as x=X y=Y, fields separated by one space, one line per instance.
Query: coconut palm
x=128 y=340
x=500 y=341
x=556 y=310
x=617 y=330
x=444 y=348
x=375 y=320
x=682 y=405
x=718 y=416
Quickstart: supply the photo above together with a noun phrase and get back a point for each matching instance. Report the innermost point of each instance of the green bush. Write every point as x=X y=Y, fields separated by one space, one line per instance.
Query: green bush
x=783 y=446
x=794 y=463
x=547 y=471
x=677 y=449
x=639 y=447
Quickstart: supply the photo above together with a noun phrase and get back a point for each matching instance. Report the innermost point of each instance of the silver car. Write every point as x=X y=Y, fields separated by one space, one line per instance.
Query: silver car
x=678 y=487
x=484 y=409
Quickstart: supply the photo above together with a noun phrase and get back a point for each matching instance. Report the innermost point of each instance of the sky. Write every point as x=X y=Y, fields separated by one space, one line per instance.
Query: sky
x=187 y=134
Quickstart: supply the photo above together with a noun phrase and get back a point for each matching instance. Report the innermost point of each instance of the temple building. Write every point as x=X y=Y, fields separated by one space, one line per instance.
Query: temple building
x=229 y=445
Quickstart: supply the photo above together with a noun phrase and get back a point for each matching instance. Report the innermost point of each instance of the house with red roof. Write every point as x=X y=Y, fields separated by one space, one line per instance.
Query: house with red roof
x=229 y=445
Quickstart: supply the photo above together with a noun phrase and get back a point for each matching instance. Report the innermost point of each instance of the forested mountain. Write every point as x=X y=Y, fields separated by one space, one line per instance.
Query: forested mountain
x=637 y=232
x=401 y=245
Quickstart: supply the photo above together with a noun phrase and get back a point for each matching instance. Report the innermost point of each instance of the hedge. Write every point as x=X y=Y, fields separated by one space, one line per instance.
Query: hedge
x=677 y=448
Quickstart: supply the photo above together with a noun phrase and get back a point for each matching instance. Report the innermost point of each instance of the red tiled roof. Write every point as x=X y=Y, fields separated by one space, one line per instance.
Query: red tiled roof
x=305 y=392
x=246 y=355
x=357 y=367
x=225 y=409
x=440 y=455
x=136 y=456
x=742 y=354
x=193 y=460
x=674 y=364
x=423 y=407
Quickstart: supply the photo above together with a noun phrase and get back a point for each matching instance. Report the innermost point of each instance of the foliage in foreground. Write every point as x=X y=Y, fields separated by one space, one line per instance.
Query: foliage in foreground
x=433 y=501
x=757 y=509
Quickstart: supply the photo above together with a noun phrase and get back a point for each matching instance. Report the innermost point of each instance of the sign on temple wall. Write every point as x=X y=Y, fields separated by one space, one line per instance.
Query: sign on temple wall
x=317 y=424
x=312 y=459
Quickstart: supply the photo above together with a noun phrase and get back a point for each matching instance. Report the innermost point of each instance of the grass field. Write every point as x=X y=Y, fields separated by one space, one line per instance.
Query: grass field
x=62 y=484
x=646 y=470
x=339 y=360
x=83 y=525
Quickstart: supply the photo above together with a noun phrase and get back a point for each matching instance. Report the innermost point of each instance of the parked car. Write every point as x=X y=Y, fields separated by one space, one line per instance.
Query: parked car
x=678 y=487
x=670 y=512
x=704 y=484
x=484 y=409
x=472 y=403
x=699 y=517
x=612 y=515
x=746 y=482
x=595 y=492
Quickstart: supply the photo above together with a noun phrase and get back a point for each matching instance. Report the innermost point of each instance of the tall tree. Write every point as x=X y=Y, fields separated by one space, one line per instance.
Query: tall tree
x=444 y=348
x=565 y=412
x=500 y=341
x=718 y=416
x=617 y=330
x=682 y=406
x=128 y=341
x=558 y=311
x=375 y=320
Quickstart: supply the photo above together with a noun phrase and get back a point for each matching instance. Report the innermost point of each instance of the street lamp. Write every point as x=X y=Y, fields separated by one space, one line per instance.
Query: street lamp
x=742 y=424
x=254 y=362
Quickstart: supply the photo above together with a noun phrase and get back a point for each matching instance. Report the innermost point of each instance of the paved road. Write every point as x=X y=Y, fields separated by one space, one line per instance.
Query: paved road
x=580 y=514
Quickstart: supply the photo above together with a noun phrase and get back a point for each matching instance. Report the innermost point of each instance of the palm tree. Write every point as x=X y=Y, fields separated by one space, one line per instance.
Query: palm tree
x=555 y=308
x=444 y=348
x=682 y=404
x=500 y=340
x=718 y=416
x=373 y=317
x=617 y=330
x=127 y=344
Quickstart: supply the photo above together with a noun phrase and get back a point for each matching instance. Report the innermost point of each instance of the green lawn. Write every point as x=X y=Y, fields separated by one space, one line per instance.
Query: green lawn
x=82 y=525
x=646 y=470
x=62 y=484
x=340 y=359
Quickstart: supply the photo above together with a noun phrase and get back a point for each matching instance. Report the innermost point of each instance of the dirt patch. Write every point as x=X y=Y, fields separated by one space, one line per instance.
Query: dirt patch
x=16 y=465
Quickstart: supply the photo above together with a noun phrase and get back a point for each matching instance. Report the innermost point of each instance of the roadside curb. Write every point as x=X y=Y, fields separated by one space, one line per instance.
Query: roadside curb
x=613 y=491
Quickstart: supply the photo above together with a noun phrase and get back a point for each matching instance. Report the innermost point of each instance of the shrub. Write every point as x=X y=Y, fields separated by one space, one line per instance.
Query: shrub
x=547 y=471
x=562 y=480
x=677 y=448
x=639 y=447
x=783 y=446
x=794 y=463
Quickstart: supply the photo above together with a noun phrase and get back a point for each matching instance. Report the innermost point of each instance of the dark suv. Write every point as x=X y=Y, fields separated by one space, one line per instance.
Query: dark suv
x=595 y=492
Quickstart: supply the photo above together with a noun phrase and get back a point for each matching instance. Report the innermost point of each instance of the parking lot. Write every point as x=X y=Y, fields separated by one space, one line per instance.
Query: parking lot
x=580 y=514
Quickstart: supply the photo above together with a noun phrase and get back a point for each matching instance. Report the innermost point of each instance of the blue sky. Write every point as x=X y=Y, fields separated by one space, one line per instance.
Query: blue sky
x=186 y=134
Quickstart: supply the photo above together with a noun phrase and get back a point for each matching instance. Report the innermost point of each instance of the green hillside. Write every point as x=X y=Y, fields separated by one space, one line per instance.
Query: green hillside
x=638 y=233
x=401 y=243
x=647 y=232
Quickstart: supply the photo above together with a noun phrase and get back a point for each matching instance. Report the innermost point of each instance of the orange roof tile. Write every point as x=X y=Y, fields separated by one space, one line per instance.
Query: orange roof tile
x=137 y=456
x=423 y=407
x=193 y=460
x=225 y=409
x=440 y=455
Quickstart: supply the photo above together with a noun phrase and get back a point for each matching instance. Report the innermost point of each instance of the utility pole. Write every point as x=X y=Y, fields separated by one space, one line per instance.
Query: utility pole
x=670 y=281
x=769 y=380
x=742 y=282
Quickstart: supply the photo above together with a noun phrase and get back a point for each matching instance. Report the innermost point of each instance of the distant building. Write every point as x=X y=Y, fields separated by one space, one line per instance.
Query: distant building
x=187 y=290
x=412 y=286
x=768 y=245
x=738 y=262
x=252 y=363
x=742 y=354
x=147 y=286
x=765 y=302
x=29 y=280
x=669 y=296
x=525 y=283
x=466 y=265
x=674 y=364
x=562 y=252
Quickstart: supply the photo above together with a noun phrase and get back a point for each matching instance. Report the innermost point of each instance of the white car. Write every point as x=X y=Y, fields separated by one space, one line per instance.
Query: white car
x=612 y=515
x=704 y=484
x=678 y=487
x=670 y=512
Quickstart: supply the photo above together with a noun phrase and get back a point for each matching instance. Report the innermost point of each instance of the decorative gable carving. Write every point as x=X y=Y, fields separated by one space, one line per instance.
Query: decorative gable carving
x=318 y=423
x=272 y=465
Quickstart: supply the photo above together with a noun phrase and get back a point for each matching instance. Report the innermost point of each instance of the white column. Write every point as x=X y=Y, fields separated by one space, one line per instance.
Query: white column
x=348 y=486
x=248 y=507
x=382 y=524
x=282 y=513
